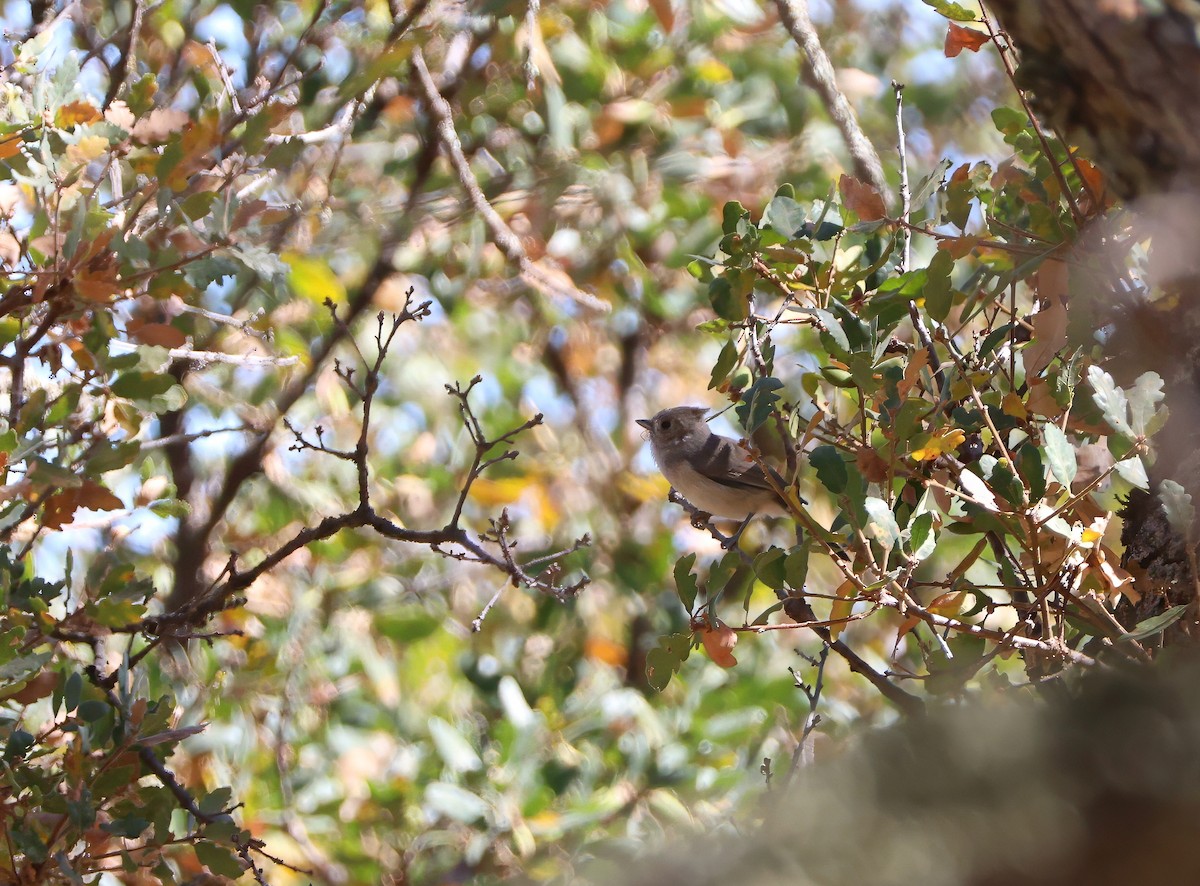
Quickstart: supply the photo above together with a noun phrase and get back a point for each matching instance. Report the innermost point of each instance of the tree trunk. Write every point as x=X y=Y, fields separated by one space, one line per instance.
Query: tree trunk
x=1120 y=79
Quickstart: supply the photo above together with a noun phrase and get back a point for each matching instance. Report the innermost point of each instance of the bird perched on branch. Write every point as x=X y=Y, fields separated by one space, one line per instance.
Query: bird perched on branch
x=712 y=472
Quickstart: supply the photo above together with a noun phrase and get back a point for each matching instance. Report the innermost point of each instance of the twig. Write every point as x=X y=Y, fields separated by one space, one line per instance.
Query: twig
x=477 y=622
x=127 y=64
x=803 y=752
x=502 y=235
x=203 y=357
x=226 y=81
x=935 y=363
x=531 y=28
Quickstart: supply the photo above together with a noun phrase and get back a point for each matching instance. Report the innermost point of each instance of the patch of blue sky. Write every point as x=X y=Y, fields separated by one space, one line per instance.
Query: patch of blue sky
x=225 y=28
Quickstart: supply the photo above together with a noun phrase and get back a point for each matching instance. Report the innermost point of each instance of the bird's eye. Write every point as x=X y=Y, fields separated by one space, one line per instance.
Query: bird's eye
x=665 y=424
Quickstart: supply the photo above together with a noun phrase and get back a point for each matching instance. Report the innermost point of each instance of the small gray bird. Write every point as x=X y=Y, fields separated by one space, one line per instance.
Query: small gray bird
x=712 y=472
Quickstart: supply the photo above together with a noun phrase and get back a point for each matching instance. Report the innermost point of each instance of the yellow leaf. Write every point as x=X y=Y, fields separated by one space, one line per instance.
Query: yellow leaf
x=495 y=493
x=644 y=488
x=87 y=149
x=847 y=593
x=1013 y=405
x=312 y=279
x=712 y=71
x=944 y=441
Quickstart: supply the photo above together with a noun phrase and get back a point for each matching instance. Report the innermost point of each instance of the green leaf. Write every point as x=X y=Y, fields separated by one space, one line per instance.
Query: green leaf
x=795 y=567
x=660 y=665
x=733 y=213
x=454 y=802
x=1133 y=472
x=18 y=745
x=953 y=11
x=219 y=860
x=725 y=362
x=216 y=800
x=1111 y=399
x=1009 y=121
x=456 y=752
x=64 y=865
x=92 y=710
x=830 y=467
x=771 y=568
x=926 y=186
x=130 y=826
x=939 y=295
x=71 y=691
x=727 y=303
x=142 y=385
x=882 y=526
x=196 y=206
x=1178 y=505
x=685 y=581
x=830 y=325
x=920 y=533
x=22 y=668
x=222 y=830
x=27 y=841
x=1154 y=625
x=785 y=216
x=756 y=404
x=1060 y=454
x=1032 y=471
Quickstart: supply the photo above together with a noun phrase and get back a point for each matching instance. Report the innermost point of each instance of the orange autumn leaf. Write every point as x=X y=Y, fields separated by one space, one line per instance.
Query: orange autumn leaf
x=94 y=496
x=162 y=334
x=605 y=650
x=97 y=286
x=59 y=508
x=948 y=604
x=959 y=38
x=861 y=199
x=905 y=626
x=74 y=113
x=872 y=465
x=718 y=643
x=10 y=145
x=958 y=247
x=1014 y=406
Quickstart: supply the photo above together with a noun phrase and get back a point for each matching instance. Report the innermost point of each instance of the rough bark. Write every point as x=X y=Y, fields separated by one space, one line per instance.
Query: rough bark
x=1121 y=80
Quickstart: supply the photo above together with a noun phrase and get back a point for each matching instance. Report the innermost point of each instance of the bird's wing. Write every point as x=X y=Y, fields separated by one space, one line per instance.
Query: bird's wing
x=723 y=460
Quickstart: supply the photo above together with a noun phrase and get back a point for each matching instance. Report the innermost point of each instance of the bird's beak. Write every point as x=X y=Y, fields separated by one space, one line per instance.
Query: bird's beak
x=644 y=422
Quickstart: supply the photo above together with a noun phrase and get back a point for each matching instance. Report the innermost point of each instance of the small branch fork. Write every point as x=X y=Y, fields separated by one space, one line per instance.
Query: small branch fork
x=494 y=547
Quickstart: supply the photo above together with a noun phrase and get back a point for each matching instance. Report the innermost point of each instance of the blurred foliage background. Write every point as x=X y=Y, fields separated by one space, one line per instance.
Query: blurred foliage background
x=240 y=164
